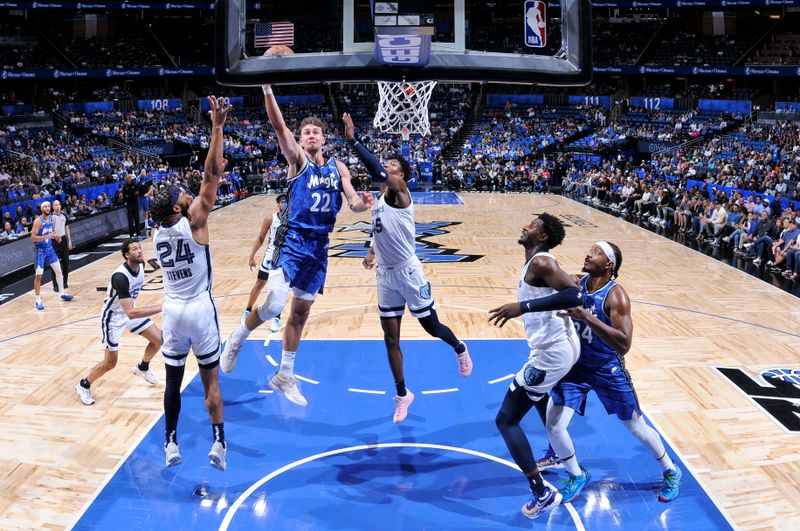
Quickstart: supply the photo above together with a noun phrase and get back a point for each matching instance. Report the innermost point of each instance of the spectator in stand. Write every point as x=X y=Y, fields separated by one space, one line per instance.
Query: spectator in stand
x=8 y=232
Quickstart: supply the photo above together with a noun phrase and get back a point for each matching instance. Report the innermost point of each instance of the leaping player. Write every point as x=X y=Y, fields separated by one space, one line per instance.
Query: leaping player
x=300 y=261
x=400 y=277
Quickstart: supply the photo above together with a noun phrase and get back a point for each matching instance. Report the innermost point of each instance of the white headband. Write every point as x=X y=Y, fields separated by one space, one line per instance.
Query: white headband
x=612 y=257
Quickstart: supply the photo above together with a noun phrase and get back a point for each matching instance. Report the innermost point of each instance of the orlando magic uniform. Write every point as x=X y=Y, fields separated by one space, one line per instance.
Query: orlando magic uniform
x=552 y=339
x=266 y=262
x=190 y=315
x=600 y=367
x=301 y=243
x=401 y=279
x=43 y=250
x=124 y=284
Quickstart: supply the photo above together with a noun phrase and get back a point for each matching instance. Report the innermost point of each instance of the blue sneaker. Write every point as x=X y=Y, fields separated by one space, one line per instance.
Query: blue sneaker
x=39 y=305
x=549 y=460
x=276 y=325
x=549 y=499
x=672 y=483
x=574 y=485
x=66 y=297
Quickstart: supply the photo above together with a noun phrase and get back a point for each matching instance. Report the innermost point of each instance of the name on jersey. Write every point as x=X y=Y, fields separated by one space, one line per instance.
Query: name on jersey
x=179 y=274
x=326 y=181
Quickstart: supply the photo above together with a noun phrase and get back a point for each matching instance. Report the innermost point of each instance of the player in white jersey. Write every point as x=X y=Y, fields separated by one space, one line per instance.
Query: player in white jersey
x=120 y=313
x=270 y=226
x=190 y=316
x=400 y=277
x=554 y=348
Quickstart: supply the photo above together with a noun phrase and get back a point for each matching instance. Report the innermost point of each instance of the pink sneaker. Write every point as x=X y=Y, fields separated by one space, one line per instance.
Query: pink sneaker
x=464 y=362
x=401 y=404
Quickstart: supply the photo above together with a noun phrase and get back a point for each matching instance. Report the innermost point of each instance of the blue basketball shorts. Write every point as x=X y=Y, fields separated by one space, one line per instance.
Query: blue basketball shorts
x=304 y=261
x=613 y=387
x=145 y=203
x=44 y=256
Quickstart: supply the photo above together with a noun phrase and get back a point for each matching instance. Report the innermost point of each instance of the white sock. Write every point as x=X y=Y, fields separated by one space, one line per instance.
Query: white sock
x=39 y=299
x=666 y=463
x=240 y=334
x=651 y=439
x=287 y=364
x=571 y=465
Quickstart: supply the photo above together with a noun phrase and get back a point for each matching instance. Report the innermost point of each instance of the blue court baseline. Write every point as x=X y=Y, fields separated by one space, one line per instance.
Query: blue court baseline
x=341 y=463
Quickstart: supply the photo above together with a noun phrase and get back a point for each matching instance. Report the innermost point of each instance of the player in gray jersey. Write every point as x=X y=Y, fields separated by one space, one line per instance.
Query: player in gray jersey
x=269 y=228
x=120 y=313
x=400 y=277
x=190 y=315
x=554 y=348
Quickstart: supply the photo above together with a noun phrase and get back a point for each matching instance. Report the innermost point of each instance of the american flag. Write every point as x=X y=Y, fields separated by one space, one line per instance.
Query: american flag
x=274 y=33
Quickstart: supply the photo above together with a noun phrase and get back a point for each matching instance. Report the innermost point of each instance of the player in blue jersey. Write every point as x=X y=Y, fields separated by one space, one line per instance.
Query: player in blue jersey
x=300 y=261
x=606 y=331
x=41 y=235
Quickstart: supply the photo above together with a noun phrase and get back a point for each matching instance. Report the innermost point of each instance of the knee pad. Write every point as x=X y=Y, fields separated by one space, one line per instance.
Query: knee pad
x=273 y=306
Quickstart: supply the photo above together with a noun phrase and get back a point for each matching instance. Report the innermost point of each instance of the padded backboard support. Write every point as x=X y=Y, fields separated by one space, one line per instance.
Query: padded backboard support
x=571 y=65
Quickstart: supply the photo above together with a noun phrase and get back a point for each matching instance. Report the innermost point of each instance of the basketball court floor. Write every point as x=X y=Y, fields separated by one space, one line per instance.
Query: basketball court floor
x=704 y=334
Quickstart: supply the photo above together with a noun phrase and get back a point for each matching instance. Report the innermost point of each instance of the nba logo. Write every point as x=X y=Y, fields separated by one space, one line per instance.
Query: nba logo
x=535 y=24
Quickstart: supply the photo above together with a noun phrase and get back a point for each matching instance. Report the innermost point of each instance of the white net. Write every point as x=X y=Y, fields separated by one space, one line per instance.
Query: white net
x=404 y=105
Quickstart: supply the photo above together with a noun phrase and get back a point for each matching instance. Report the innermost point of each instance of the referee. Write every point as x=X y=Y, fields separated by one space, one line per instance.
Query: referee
x=64 y=246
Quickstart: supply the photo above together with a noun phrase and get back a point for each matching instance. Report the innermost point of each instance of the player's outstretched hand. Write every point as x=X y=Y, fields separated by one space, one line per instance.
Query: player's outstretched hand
x=219 y=110
x=367 y=199
x=349 y=127
x=501 y=315
x=578 y=312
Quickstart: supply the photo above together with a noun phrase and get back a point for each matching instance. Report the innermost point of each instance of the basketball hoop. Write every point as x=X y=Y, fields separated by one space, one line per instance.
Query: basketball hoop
x=404 y=107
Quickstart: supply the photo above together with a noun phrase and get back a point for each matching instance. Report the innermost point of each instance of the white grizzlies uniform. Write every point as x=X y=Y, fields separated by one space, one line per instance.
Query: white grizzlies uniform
x=554 y=344
x=401 y=279
x=124 y=284
x=266 y=262
x=189 y=313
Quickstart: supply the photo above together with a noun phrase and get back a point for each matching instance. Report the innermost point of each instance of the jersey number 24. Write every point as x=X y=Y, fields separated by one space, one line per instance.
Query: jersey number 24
x=183 y=254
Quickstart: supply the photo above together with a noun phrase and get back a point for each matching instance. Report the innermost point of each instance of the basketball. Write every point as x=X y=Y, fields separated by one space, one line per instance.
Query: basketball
x=278 y=51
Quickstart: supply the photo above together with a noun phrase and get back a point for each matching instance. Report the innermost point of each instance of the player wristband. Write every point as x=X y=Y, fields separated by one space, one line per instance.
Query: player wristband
x=266 y=91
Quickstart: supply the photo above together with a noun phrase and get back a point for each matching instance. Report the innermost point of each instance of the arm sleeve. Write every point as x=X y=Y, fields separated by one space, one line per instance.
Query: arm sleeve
x=120 y=284
x=368 y=159
x=564 y=299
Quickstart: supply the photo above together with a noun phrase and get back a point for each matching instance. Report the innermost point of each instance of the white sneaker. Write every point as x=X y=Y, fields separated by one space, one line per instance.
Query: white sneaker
x=173 y=454
x=289 y=388
x=84 y=394
x=401 y=404
x=230 y=353
x=244 y=316
x=148 y=375
x=276 y=325
x=216 y=457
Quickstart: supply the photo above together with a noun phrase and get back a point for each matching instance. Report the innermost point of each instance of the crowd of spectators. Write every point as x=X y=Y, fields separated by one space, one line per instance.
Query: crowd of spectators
x=737 y=191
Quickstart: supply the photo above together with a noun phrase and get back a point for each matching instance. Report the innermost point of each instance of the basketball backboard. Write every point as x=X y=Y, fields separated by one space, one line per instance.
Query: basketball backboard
x=515 y=41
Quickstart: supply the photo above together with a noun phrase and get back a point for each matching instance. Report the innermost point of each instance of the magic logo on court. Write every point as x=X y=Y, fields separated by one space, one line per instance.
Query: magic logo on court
x=427 y=251
x=776 y=391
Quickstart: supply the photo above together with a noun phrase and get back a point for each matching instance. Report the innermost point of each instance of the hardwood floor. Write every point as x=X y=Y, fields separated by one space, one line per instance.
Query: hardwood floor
x=691 y=313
